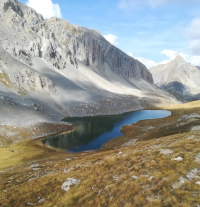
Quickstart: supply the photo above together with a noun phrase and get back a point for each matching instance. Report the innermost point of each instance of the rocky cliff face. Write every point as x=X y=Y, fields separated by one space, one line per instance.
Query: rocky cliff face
x=58 y=42
x=67 y=70
x=179 y=77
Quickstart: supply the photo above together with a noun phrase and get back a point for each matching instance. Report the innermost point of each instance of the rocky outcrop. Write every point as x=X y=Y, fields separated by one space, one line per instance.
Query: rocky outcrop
x=178 y=77
x=58 y=42
x=91 y=48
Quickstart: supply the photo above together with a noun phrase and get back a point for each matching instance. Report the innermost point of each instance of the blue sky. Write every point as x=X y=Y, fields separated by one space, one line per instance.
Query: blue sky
x=150 y=30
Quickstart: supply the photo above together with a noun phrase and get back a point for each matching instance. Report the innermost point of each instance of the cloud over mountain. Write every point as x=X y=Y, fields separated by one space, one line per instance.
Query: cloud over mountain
x=112 y=39
x=45 y=7
x=194 y=36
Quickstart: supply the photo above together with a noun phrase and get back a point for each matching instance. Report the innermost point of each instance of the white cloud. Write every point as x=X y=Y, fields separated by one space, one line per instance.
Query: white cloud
x=112 y=39
x=147 y=62
x=193 y=32
x=192 y=59
x=171 y=54
x=45 y=7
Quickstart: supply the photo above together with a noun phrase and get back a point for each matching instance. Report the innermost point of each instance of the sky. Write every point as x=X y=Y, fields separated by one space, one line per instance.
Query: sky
x=152 y=31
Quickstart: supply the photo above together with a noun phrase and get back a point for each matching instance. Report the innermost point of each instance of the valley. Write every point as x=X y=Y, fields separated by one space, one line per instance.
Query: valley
x=140 y=159
x=82 y=123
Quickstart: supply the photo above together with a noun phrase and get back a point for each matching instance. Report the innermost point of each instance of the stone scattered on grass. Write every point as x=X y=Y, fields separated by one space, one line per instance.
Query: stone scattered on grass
x=192 y=174
x=151 y=178
x=198 y=158
x=135 y=177
x=68 y=170
x=198 y=183
x=166 y=151
x=191 y=137
x=41 y=200
x=68 y=159
x=179 y=184
x=130 y=142
x=177 y=159
x=30 y=204
x=69 y=182
x=36 y=169
x=34 y=166
x=195 y=128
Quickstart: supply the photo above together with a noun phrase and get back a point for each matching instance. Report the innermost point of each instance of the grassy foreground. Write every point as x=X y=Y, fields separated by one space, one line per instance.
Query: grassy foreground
x=141 y=173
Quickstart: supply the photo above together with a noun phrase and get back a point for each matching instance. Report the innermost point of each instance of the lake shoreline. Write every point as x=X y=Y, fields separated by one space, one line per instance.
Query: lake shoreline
x=29 y=144
x=97 y=137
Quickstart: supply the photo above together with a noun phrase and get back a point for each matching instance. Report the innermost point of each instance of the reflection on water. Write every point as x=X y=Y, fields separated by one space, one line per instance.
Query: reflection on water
x=93 y=132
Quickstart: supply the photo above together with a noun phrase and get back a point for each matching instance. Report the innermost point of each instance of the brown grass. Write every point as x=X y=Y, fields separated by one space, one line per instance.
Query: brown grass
x=106 y=176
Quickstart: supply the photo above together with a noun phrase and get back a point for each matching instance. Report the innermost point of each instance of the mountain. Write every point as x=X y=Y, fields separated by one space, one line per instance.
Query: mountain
x=198 y=67
x=179 y=77
x=50 y=69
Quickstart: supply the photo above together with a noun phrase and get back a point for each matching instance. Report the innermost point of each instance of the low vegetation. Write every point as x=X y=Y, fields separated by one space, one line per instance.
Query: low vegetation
x=158 y=166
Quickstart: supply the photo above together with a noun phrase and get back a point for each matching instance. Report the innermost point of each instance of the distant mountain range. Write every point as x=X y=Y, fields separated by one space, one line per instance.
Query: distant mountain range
x=179 y=77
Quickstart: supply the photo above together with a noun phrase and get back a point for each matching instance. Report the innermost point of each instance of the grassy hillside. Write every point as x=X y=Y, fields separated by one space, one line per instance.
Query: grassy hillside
x=144 y=172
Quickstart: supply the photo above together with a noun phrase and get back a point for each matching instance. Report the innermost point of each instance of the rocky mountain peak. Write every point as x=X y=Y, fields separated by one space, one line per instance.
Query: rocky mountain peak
x=179 y=58
x=11 y=4
x=179 y=77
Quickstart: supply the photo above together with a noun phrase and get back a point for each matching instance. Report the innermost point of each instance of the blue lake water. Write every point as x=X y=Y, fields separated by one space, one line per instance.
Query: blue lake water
x=93 y=132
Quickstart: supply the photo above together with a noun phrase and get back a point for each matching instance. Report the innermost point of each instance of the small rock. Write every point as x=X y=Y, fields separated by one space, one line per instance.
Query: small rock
x=68 y=183
x=5 y=191
x=182 y=180
x=36 y=169
x=169 y=155
x=68 y=170
x=100 y=191
x=135 y=177
x=31 y=204
x=198 y=183
x=166 y=151
x=41 y=200
x=151 y=178
x=68 y=159
x=34 y=166
x=177 y=159
x=192 y=174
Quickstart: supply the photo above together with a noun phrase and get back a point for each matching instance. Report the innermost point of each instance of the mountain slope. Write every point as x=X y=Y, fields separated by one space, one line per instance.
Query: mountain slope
x=178 y=77
x=53 y=69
